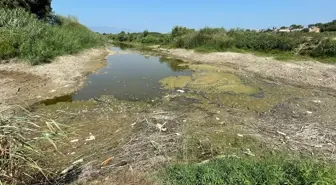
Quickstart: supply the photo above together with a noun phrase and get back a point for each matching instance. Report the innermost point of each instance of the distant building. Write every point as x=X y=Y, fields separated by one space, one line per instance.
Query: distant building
x=314 y=29
x=296 y=30
x=287 y=30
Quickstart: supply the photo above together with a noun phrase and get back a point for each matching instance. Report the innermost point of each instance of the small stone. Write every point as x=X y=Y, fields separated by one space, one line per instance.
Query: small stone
x=217 y=118
x=317 y=101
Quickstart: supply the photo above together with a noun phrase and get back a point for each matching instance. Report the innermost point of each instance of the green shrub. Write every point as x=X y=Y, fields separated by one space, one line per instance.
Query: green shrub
x=219 y=39
x=269 y=170
x=327 y=48
x=38 y=41
x=7 y=49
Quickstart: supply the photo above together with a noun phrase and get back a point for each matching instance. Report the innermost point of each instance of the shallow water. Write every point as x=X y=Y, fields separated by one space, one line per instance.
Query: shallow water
x=131 y=77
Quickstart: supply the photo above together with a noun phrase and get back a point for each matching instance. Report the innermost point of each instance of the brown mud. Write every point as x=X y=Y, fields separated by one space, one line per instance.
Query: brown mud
x=23 y=84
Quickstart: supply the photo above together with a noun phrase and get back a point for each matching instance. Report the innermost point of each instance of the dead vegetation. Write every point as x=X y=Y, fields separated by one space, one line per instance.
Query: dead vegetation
x=19 y=148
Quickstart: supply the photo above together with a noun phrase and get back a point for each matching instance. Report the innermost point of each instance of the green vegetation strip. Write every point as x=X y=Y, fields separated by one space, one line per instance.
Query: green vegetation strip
x=24 y=36
x=284 y=46
x=248 y=171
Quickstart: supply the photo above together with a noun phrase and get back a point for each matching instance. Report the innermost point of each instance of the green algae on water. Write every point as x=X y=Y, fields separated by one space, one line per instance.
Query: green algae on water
x=173 y=82
x=221 y=82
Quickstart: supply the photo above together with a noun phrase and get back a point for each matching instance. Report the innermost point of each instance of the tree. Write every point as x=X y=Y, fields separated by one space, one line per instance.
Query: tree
x=42 y=8
x=296 y=26
x=180 y=30
x=145 y=33
x=122 y=36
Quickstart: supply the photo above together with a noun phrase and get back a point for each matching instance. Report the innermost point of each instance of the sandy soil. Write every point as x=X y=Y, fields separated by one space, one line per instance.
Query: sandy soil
x=310 y=73
x=23 y=84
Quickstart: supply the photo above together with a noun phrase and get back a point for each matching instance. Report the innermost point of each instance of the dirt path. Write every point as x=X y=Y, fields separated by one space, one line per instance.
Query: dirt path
x=23 y=84
x=299 y=73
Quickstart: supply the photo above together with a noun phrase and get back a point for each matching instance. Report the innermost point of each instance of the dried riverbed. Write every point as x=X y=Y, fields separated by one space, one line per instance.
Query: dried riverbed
x=219 y=109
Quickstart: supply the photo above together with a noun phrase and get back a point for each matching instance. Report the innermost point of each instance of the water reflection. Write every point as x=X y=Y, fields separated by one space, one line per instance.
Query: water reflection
x=132 y=77
x=174 y=64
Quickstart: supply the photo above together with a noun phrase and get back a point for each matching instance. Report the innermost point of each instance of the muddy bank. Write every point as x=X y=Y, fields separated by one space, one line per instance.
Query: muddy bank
x=309 y=73
x=23 y=84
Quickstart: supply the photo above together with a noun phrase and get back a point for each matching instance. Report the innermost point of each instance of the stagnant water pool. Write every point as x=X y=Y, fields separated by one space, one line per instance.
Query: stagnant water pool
x=131 y=76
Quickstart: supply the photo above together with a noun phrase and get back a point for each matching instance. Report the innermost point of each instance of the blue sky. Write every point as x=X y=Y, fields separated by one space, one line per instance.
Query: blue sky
x=162 y=15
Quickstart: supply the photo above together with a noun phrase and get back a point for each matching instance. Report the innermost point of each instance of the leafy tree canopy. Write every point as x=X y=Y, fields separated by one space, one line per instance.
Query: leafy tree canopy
x=42 y=8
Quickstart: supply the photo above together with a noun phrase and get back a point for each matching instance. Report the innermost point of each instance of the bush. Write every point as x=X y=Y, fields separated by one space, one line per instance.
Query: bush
x=38 y=41
x=7 y=49
x=327 y=48
x=270 y=170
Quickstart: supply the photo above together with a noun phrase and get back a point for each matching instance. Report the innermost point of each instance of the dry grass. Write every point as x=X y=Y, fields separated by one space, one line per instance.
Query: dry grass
x=125 y=178
x=19 y=148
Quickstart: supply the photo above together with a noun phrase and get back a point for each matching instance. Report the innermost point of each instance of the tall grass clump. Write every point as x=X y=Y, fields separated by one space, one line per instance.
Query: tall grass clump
x=21 y=143
x=39 y=41
x=247 y=171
